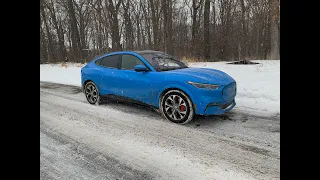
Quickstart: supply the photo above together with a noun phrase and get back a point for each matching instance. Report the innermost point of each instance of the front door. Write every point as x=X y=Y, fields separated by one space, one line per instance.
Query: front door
x=135 y=85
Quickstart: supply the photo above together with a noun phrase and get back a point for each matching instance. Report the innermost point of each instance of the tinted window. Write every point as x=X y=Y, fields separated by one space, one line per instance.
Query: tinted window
x=110 y=61
x=130 y=61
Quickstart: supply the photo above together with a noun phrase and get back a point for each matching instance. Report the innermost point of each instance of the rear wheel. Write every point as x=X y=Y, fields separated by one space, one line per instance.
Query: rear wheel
x=176 y=106
x=92 y=93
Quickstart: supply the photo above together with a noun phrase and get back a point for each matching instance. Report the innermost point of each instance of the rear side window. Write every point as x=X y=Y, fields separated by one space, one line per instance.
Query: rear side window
x=110 y=61
x=129 y=61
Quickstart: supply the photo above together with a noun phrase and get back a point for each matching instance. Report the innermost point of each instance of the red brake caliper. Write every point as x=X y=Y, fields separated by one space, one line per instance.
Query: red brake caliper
x=182 y=108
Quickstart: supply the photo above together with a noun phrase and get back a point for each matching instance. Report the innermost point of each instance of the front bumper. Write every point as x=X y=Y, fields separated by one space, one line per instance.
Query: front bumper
x=215 y=109
x=214 y=102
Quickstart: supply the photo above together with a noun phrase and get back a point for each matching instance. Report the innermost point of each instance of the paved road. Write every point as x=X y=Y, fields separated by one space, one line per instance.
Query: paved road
x=127 y=141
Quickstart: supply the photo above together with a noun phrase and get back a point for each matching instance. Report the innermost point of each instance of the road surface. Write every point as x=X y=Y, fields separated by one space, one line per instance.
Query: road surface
x=126 y=141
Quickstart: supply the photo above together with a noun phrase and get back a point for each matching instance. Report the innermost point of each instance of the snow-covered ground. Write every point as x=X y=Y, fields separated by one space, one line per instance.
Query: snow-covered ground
x=258 y=85
x=124 y=141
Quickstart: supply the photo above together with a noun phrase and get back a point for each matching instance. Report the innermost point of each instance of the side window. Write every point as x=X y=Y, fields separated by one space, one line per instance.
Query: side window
x=110 y=61
x=130 y=61
x=98 y=62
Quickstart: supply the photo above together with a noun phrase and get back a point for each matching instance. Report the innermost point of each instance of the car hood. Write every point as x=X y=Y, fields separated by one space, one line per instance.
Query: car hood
x=204 y=75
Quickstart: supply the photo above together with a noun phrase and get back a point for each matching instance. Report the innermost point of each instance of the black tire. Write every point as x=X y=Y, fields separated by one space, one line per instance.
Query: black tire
x=175 y=112
x=92 y=93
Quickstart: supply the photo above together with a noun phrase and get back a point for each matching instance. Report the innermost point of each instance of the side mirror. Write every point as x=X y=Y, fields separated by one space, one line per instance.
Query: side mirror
x=140 y=68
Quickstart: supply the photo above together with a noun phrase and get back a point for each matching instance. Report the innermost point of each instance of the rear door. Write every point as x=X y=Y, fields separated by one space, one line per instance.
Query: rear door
x=109 y=71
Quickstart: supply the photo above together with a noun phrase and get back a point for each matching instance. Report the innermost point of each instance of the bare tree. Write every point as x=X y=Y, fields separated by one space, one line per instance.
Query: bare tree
x=243 y=42
x=51 y=53
x=75 y=37
x=43 y=44
x=129 y=37
x=211 y=30
x=195 y=7
x=137 y=20
x=274 y=21
x=206 y=27
x=155 y=16
x=113 y=16
x=167 y=24
x=61 y=54
x=147 y=19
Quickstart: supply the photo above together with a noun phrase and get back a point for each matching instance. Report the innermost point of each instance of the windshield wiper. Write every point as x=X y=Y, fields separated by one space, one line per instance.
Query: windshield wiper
x=183 y=67
x=167 y=68
x=171 y=68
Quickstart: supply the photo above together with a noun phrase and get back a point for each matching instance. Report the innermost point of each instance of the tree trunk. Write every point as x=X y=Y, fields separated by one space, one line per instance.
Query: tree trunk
x=128 y=26
x=139 y=33
x=274 y=30
x=51 y=54
x=75 y=38
x=206 y=26
x=170 y=42
x=244 y=40
x=194 y=22
x=195 y=25
x=82 y=32
x=62 y=47
x=59 y=30
x=113 y=14
x=98 y=27
x=147 y=25
x=213 y=37
x=43 y=46
x=155 y=26
x=167 y=24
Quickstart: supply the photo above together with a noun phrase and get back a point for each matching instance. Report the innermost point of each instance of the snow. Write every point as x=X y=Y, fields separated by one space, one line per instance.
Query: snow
x=258 y=86
x=150 y=144
x=61 y=73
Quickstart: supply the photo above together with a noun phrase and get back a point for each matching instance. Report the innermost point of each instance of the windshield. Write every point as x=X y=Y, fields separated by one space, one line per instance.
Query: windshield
x=163 y=62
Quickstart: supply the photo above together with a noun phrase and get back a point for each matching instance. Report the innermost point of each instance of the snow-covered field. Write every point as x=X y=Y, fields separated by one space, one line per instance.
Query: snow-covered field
x=258 y=85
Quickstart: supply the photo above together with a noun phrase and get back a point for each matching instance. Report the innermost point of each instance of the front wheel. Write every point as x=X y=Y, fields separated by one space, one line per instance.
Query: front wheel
x=176 y=106
x=92 y=93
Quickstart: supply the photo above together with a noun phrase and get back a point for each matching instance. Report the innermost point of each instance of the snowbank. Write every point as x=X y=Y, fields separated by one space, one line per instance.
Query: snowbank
x=68 y=73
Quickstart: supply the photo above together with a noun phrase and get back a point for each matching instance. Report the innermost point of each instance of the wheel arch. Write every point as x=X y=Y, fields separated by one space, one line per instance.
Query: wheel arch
x=84 y=84
x=176 y=87
x=89 y=80
x=86 y=81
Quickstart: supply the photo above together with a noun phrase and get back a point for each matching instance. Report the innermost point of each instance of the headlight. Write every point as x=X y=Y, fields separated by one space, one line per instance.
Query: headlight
x=206 y=86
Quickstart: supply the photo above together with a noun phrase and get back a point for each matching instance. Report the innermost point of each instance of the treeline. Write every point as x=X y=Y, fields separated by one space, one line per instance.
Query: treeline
x=211 y=30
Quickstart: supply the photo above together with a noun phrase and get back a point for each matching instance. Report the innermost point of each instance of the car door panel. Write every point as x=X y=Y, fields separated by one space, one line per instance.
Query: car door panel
x=135 y=85
x=108 y=72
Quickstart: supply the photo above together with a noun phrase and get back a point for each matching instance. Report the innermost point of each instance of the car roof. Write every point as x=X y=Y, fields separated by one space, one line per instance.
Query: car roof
x=132 y=52
x=149 y=52
x=138 y=52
